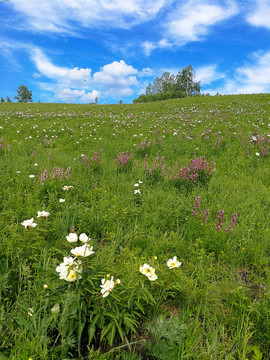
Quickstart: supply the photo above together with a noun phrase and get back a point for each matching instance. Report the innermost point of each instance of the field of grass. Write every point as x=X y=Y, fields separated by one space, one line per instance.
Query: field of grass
x=146 y=182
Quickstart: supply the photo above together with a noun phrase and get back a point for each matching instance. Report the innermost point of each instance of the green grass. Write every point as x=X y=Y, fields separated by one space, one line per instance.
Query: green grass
x=215 y=306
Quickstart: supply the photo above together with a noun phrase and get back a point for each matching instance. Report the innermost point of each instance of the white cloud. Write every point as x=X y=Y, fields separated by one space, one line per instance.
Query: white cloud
x=248 y=79
x=260 y=14
x=191 y=21
x=70 y=95
x=208 y=74
x=60 y=16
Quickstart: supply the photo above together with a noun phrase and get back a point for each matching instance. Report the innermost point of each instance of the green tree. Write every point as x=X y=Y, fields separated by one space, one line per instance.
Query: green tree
x=2 y=99
x=8 y=99
x=23 y=94
x=171 y=86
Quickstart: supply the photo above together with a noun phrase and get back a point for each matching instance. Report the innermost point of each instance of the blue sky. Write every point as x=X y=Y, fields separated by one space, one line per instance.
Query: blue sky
x=77 y=50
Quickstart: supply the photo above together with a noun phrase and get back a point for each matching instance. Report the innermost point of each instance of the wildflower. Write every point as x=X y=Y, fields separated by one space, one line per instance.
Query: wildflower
x=117 y=282
x=136 y=185
x=18 y=172
x=66 y=187
x=35 y=163
x=69 y=269
x=31 y=176
x=257 y=154
x=155 y=258
x=62 y=200
x=148 y=271
x=84 y=238
x=72 y=237
x=107 y=286
x=45 y=286
x=30 y=312
x=43 y=213
x=29 y=223
x=173 y=263
x=137 y=191
x=84 y=250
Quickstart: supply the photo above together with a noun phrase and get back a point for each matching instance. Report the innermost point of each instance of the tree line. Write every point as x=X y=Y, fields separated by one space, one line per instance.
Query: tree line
x=172 y=86
x=23 y=95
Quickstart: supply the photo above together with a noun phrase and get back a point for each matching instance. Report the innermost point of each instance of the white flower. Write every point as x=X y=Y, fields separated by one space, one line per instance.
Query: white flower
x=66 y=187
x=148 y=271
x=106 y=286
x=62 y=200
x=18 y=172
x=31 y=176
x=43 y=213
x=35 y=163
x=173 y=263
x=45 y=286
x=84 y=238
x=84 y=250
x=72 y=237
x=140 y=182
x=137 y=191
x=29 y=223
x=69 y=269
x=257 y=154
x=136 y=185
x=30 y=312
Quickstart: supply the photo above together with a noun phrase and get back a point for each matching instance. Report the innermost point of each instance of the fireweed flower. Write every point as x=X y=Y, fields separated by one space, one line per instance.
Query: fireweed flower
x=148 y=271
x=173 y=263
x=43 y=214
x=84 y=250
x=29 y=223
x=84 y=238
x=107 y=286
x=69 y=269
x=72 y=237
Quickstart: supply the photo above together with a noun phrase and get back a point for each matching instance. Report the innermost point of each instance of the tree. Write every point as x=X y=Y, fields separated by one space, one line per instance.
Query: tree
x=23 y=94
x=172 y=86
x=2 y=99
x=8 y=99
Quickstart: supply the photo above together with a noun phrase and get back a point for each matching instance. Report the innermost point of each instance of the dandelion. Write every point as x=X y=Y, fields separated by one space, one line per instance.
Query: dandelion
x=29 y=223
x=173 y=263
x=72 y=237
x=148 y=271
x=43 y=214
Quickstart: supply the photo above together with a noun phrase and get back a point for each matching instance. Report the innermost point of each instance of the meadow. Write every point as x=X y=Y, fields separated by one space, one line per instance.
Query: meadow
x=137 y=231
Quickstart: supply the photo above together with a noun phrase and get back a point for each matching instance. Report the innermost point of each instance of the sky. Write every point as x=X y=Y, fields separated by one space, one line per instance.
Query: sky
x=74 y=51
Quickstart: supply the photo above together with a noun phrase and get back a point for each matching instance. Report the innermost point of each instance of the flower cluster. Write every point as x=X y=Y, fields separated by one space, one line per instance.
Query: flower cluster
x=232 y=223
x=219 y=224
x=196 y=207
x=70 y=269
x=150 y=272
x=198 y=170
x=122 y=159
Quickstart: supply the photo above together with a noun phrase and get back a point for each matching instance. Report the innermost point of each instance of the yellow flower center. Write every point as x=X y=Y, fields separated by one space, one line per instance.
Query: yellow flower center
x=173 y=264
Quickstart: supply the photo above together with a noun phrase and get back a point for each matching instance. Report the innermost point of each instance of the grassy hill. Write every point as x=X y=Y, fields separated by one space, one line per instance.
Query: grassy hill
x=146 y=182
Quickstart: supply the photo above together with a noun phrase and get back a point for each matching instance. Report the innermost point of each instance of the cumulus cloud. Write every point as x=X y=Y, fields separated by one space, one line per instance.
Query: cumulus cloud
x=259 y=14
x=208 y=74
x=70 y=95
x=63 y=17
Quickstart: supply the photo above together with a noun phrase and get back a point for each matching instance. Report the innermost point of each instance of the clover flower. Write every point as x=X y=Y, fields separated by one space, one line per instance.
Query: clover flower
x=107 y=286
x=84 y=250
x=148 y=271
x=72 y=237
x=173 y=263
x=43 y=213
x=29 y=223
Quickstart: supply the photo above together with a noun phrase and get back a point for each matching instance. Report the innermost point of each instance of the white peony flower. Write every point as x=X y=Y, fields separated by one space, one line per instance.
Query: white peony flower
x=84 y=238
x=84 y=250
x=43 y=213
x=173 y=263
x=138 y=191
x=66 y=187
x=62 y=200
x=148 y=271
x=29 y=223
x=31 y=176
x=69 y=269
x=72 y=237
x=106 y=286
